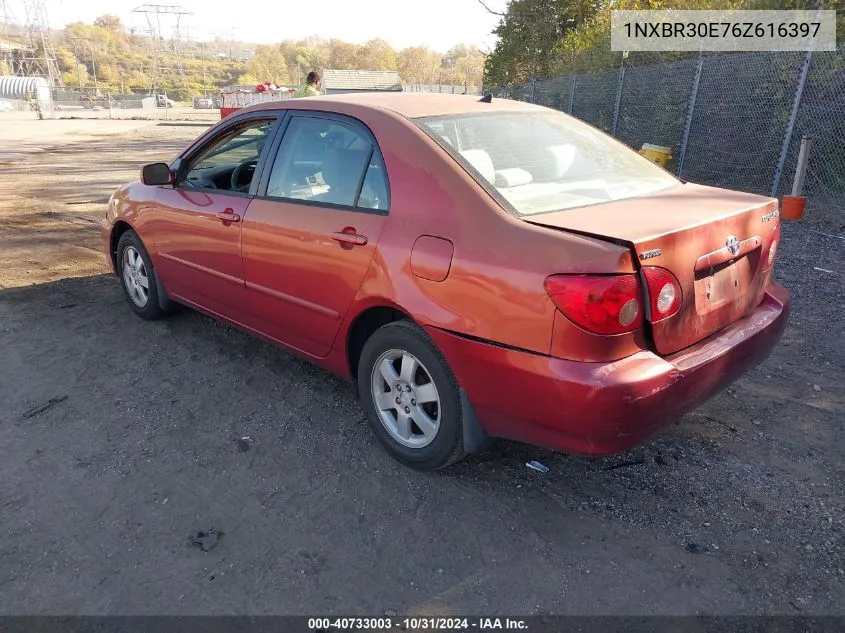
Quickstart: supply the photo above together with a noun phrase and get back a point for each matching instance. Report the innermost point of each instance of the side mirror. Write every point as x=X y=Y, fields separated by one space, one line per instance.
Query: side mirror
x=156 y=174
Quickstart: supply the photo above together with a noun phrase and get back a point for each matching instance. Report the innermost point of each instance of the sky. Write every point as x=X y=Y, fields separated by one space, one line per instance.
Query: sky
x=439 y=24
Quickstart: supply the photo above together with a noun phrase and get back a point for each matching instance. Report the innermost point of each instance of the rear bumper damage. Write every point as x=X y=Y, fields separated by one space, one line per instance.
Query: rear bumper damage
x=605 y=408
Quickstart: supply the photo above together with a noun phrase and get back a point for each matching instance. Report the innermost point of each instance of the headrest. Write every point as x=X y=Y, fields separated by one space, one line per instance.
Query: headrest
x=342 y=168
x=560 y=159
x=513 y=177
x=482 y=162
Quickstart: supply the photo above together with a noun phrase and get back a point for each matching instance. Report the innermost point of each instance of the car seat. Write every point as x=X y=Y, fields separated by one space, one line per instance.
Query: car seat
x=342 y=172
x=482 y=163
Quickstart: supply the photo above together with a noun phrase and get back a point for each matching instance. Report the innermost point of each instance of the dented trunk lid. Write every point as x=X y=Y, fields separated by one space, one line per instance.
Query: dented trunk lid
x=713 y=240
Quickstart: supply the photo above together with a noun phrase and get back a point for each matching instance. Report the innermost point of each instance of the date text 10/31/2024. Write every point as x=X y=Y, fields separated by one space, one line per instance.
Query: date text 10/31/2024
x=416 y=624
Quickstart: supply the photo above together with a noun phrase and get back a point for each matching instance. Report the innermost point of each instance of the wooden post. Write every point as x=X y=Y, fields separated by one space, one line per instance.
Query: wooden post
x=690 y=109
x=790 y=127
x=618 y=98
x=801 y=167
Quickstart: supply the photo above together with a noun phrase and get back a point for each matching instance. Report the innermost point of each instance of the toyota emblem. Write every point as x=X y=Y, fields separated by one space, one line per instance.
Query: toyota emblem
x=733 y=245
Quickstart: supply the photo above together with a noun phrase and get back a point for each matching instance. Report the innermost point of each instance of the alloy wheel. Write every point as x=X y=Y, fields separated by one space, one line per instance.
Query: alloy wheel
x=406 y=398
x=135 y=277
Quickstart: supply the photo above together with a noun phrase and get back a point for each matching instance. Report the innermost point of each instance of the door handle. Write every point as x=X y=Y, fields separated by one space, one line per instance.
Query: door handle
x=228 y=215
x=349 y=236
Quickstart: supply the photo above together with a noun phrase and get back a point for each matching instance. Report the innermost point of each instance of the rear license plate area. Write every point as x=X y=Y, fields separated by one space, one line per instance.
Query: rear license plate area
x=721 y=285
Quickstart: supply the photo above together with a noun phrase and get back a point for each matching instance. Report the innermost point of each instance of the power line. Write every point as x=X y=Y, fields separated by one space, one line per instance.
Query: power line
x=90 y=58
x=167 y=66
x=37 y=55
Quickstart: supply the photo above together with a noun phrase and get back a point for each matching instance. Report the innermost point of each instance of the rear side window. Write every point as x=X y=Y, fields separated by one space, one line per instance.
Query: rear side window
x=330 y=162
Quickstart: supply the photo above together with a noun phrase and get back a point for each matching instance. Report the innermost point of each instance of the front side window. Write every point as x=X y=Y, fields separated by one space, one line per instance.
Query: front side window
x=546 y=161
x=229 y=162
x=326 y=161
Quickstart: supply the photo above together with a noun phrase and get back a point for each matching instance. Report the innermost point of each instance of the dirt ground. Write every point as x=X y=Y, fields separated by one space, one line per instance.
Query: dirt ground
x=120 y=439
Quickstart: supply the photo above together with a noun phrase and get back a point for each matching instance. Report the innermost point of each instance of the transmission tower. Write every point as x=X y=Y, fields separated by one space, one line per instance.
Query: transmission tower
x=38 y=57
x=167 y=69
x=5 y=44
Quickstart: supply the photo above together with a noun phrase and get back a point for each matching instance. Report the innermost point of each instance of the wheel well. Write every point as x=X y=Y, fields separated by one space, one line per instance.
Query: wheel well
x=120 y=227
x=363 y=327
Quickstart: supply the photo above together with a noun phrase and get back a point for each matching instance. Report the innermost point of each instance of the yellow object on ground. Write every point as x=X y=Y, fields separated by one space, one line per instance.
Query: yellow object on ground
x=657 y=153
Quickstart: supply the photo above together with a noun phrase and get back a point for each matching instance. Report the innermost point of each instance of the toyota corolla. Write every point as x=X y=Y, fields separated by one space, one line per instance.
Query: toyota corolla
x=479 y=268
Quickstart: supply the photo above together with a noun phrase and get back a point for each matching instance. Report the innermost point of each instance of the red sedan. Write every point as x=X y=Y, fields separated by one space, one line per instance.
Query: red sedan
x=478 y=267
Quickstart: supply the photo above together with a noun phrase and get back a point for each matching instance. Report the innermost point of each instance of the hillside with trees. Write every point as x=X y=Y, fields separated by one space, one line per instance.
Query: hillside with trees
x=114 y=59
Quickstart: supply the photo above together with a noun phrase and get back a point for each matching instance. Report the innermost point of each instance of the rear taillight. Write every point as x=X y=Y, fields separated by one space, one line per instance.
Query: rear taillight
x=773 y=248
x=664 y=292
x=608 y=304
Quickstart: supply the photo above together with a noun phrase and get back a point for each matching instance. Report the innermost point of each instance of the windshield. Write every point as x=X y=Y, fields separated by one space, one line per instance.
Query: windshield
x=547 y=161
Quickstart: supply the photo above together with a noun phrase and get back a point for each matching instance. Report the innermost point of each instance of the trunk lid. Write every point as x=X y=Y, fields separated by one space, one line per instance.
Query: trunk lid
x=715 y=241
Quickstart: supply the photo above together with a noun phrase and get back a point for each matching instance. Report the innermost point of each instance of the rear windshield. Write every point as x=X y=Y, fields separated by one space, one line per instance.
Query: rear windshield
x=546 y=161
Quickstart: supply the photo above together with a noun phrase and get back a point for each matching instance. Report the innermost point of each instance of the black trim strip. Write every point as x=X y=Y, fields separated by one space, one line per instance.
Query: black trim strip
x=484 y=341
x=596 y=236
x=363 y=176
x=322 y=205
x=210 y=271
x=302 y=303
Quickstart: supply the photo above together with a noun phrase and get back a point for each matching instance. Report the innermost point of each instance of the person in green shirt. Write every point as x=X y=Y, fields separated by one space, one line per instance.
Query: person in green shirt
x=311 y=87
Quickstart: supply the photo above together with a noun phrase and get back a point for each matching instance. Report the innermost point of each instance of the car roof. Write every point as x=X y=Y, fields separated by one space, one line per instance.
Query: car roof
x=407 y=104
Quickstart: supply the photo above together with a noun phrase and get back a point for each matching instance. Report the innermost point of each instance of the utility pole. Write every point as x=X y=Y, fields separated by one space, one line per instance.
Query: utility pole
x=74 y=40
x=7 y=50
x=90 y=58
x=93 y=64
x=39 y=59
x=202 y=59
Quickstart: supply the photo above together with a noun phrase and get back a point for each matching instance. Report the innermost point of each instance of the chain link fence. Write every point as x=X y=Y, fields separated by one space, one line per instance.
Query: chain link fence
x=731 y=120
x=821 y=116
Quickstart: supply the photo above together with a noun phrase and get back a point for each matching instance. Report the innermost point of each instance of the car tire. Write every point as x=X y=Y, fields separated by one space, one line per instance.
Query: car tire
x=400 y=365
x=137 y=276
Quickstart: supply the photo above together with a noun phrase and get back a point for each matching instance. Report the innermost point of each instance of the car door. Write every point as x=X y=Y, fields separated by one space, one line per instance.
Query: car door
x=311 y=233
x=199 y=218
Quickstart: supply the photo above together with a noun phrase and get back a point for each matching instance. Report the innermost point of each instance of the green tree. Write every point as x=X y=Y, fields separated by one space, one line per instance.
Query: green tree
x=269 y=64
x=302 y=59
x=467 y=63
x=66 y=60
x=377 y=55
x=587 y=48
x=419 y=65
x=109 y=23
x=528 y=32
x=342 y=55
